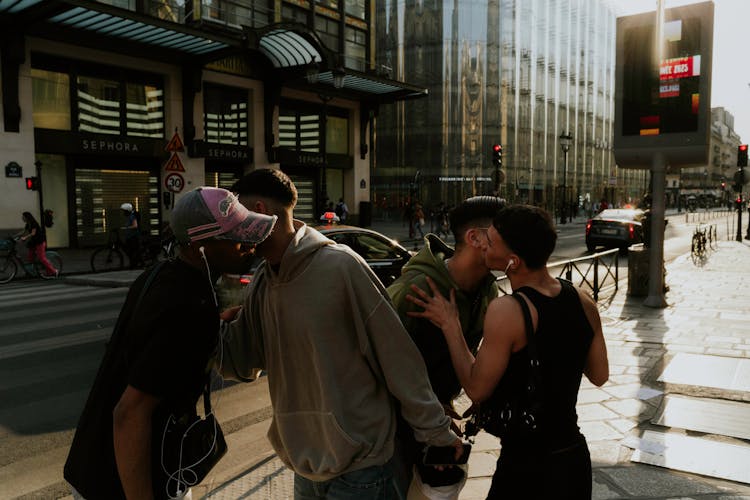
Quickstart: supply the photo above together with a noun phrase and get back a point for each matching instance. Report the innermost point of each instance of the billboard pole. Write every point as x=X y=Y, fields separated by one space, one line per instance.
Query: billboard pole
x=658 y=178
x=656 y=251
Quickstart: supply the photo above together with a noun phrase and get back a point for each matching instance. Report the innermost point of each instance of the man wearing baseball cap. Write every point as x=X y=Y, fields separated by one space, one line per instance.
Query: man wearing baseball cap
x=155 y=362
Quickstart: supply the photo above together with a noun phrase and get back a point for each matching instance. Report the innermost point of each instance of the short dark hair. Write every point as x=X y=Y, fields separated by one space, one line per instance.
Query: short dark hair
x=529 y=232
x=270 y=183
x=477 y=211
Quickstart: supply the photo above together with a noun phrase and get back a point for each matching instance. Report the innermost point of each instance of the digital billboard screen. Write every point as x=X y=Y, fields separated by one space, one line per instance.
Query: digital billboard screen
x=664 y=106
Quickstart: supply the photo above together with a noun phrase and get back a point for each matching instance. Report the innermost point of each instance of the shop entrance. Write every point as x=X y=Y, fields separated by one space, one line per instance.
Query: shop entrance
x=306 y=189
x=99 y=194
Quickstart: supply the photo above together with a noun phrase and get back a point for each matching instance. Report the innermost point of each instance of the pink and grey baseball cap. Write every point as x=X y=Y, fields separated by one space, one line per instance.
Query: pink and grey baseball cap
x=208 y=212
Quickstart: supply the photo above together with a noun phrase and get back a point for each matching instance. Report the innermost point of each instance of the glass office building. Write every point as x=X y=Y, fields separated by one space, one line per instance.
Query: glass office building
x=519 y=73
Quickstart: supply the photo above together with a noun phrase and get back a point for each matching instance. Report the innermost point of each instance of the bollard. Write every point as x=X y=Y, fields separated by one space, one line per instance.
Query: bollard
x=638 y=267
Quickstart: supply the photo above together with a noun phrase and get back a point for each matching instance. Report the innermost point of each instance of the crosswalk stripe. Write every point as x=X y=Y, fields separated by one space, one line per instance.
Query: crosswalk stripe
x=57 y=342
x=53 y=295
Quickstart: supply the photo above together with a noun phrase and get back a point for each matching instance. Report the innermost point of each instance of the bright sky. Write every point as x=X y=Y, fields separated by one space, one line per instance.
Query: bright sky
x=730 y=85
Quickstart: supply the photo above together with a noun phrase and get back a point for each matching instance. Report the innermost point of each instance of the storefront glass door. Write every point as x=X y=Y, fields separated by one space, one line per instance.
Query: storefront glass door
x=99 y=194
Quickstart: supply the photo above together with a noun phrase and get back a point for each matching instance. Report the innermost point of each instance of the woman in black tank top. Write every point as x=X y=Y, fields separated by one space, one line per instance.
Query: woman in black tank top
x=555 y=461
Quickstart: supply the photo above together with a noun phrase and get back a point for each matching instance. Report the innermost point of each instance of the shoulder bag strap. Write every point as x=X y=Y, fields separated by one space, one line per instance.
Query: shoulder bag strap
x=207 y=394
x=530 y=337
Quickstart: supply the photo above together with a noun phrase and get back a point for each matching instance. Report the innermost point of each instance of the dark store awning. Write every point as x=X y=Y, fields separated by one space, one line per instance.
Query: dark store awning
x=305 y=63
x=286 y=48
x=91 y=22
x=296 y=53
x=364 y=85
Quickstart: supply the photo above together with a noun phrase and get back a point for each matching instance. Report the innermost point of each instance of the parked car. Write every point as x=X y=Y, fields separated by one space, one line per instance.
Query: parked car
x=615 y=228
x=384 y=255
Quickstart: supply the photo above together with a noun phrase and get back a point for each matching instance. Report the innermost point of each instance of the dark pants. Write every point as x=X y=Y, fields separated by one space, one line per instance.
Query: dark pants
x=132 y=247
x=562 y=475
x=371 y=483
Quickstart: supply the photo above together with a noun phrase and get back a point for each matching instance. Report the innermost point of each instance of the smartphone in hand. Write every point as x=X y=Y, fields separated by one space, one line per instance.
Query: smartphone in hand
x=445 y=455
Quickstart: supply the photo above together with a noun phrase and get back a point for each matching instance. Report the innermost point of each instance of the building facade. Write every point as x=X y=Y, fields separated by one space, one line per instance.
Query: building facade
x=139 y=101
x=519 y=73
x=708 y=185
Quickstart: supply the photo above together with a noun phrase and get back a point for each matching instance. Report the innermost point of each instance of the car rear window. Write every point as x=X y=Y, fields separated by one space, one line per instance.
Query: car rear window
x=620 y=215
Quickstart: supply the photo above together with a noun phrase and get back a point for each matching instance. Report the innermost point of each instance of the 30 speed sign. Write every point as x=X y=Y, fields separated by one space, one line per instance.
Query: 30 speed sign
x=174 y=182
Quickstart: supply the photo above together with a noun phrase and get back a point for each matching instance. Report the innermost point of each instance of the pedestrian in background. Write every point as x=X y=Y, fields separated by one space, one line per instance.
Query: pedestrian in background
x=409 y=216
x=338 y=359
x=131 y=234
x=36 y=243
x=342 y=210
x=419 y=219
x=555 y=462
x=155 y=363
x=464 y=271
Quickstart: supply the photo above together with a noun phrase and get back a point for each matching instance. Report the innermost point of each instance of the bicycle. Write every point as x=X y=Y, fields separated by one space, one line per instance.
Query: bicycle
x=10 y=262
x=713 y=239
x=150 y=249
x=698 y=245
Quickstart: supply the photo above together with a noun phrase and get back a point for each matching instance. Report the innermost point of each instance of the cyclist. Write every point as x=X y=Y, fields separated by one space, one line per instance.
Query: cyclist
x=36 y=241
x=131 y=233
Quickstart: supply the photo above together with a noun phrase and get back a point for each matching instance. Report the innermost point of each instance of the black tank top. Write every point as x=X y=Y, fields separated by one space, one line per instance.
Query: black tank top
x=563 y=338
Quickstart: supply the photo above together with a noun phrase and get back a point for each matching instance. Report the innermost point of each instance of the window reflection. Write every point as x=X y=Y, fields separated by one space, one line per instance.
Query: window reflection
x=98 y=105
x=50 y=99
x=225 y=115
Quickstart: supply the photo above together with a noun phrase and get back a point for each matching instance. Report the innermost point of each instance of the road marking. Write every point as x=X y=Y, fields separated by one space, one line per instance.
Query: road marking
x=52 y=343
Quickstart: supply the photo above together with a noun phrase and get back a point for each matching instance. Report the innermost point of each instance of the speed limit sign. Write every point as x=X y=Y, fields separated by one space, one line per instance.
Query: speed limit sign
x=174 y=182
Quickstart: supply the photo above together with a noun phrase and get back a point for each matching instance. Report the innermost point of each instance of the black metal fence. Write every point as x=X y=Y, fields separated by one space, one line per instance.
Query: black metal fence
x=598 y=273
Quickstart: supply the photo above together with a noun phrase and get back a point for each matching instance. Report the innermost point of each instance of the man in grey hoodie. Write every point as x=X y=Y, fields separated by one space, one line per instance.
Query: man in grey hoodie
x=320 y=323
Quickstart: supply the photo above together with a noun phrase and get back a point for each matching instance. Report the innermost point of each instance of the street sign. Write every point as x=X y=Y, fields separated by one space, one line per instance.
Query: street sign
x=174 y=182
x=175 y=144
x=13 y=169
x=174 y=164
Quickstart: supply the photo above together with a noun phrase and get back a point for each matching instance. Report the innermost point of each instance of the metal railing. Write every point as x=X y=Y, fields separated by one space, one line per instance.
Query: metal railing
x=704 y=215
x=598 y=273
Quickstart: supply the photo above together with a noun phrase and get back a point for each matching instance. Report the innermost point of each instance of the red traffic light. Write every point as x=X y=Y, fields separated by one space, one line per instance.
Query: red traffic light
x=742 y=155
x=32 y=183
x=497 y=155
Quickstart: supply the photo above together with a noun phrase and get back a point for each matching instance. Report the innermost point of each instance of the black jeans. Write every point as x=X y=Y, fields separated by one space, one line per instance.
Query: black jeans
x=563 y=474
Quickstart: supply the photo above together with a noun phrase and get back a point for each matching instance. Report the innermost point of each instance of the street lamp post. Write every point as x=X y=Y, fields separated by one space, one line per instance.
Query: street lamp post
x=705 y=189
x=323 y=149
x=565 y=141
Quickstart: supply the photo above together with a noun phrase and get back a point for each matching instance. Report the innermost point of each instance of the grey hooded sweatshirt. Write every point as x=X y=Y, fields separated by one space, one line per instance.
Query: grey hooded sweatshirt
x=337 y=359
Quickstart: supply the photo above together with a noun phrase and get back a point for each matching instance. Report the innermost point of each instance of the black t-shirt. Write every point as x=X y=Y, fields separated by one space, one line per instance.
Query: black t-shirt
x=39 y=236
x=162 y=349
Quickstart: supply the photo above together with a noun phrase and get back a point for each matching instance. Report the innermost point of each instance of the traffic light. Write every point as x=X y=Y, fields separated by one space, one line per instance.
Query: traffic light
x=32 y=183
x=742 y=155
x=497 y=155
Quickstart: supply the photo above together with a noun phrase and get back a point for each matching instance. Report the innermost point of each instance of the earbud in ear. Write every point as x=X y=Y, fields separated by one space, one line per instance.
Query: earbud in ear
x=202 y=250
x=511 y=262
